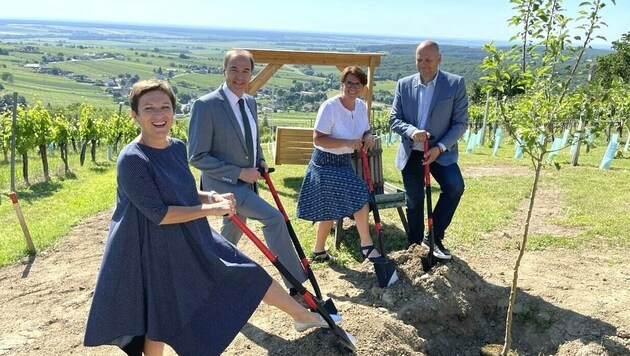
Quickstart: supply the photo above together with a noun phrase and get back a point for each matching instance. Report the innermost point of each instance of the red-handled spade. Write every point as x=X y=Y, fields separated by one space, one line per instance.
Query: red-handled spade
x=344 y=337
x=385 y=269
x=428 y=261
x=328 y=304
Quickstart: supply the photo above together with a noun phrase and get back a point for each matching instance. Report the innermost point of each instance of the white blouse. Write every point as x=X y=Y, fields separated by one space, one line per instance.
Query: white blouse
x=335 y=120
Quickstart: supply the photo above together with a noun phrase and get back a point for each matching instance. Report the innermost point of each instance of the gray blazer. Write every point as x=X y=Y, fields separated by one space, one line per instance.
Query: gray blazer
x=447 y=121
x=216 y=145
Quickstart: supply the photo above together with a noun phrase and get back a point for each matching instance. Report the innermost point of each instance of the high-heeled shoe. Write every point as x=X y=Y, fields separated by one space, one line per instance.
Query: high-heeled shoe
x=367 y=250
x=303 y=326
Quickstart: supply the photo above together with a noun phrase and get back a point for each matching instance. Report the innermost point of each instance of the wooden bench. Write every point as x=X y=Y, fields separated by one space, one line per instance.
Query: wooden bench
x=294 y=145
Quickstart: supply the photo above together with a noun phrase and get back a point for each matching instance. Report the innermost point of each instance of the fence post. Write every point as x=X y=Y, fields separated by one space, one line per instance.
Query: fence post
x=482 y=138
x=13 y=125
x=18 y=212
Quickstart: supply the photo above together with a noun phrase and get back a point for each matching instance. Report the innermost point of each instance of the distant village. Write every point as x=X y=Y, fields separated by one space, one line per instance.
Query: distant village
x=303 y=96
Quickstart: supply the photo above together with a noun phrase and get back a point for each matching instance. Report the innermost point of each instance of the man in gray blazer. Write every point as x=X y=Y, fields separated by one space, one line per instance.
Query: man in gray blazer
x=431 y=105
x=225 y=146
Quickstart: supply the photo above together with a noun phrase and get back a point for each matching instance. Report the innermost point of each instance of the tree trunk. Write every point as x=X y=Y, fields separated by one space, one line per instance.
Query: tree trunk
x=82 y=155
x=513 y=289
x=63 y=152
x=25 y=167
x=44 y=155
x=5 y=153
x=93 y=151
x=116 y=142
x=482 y=140
x=577 y=139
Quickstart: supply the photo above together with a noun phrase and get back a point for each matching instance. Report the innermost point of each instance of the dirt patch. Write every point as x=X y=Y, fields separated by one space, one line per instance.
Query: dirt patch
x=569 y=302
x=547 y=206
x=486 y=171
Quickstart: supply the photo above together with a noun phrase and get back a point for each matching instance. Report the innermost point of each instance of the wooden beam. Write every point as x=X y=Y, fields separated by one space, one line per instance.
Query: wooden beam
x=338 y=59
x=275 y=59
x=370 y=89
x=262 y=77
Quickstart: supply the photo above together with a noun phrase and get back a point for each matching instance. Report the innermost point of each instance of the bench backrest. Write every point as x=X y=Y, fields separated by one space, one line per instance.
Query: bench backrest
x=294 y=145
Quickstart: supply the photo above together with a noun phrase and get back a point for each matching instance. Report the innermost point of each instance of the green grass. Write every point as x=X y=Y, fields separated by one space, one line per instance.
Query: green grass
x=385 y=85
x=106 y=68
x=595 y=204
x=55 y=89
x=198 y=80
x=52 y=208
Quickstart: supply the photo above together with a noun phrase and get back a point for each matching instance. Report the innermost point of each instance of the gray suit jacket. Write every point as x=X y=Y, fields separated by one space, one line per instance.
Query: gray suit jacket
x=447 y=121
x=216 y=143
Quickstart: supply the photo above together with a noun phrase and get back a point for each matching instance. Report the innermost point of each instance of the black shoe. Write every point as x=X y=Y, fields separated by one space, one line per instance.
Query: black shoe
x=425 y=241
x=439 y=250
x=317 y=257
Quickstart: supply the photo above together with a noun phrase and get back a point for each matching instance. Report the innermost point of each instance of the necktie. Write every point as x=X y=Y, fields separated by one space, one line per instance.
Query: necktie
x=249 y=142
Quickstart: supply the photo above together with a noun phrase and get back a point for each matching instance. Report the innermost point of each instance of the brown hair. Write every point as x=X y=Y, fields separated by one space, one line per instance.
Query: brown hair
x=357 y=72
x=237 y=52
x=144 y=86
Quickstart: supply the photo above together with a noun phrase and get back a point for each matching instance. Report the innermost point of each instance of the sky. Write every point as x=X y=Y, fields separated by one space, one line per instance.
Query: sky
x=456 y=19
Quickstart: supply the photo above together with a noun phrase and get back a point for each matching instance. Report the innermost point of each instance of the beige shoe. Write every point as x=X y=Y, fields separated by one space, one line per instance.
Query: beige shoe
x=300 y=326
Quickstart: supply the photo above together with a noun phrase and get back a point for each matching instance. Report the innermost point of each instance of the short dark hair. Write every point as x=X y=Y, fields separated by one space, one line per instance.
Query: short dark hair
x=237 y=52
x=357 y=72
x=144 y=86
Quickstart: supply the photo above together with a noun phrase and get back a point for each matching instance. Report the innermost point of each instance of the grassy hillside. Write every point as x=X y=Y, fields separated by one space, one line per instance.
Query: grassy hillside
x=192 y=56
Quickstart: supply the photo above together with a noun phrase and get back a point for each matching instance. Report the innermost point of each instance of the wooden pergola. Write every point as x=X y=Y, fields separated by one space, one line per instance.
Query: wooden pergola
x=275 y=59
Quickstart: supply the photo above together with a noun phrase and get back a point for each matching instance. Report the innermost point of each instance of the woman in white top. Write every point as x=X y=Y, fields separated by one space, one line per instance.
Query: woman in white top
x=331 y=190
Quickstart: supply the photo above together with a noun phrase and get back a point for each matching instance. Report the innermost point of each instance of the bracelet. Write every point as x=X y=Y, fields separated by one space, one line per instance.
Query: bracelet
x=210 y=195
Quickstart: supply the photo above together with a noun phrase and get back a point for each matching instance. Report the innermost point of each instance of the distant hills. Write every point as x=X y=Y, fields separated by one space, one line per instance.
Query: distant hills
x=191 y=56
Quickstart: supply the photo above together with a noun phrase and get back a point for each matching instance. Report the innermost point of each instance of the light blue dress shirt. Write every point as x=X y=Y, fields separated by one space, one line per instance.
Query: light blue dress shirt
x=425 y=94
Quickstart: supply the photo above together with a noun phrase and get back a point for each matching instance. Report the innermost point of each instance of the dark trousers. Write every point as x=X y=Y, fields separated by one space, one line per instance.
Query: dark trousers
x=451 y=185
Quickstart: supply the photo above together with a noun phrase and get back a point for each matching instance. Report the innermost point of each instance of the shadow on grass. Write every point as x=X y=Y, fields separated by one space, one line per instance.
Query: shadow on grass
x=100 y=167
x=294 y=184
x=38 y=190
x=41 y=189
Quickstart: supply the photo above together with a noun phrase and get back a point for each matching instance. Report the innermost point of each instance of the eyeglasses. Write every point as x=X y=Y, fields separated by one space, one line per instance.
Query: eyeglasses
x=352 y=84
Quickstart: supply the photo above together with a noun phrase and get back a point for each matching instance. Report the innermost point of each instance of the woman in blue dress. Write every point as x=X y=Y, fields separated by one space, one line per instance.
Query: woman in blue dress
x=166 y=276
x=331 y=190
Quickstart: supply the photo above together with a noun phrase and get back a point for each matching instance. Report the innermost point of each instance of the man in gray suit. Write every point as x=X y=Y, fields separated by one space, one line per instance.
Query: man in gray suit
x=431 y=105
x=225 y=146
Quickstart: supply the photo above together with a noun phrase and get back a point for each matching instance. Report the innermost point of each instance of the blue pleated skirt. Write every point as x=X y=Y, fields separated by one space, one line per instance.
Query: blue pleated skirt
x=331 y=189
